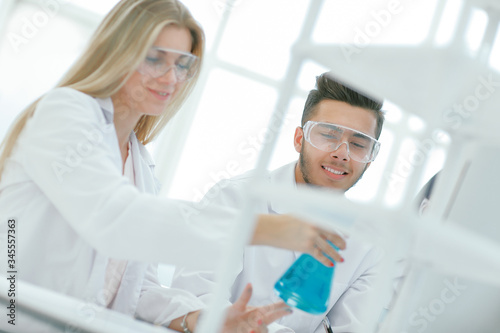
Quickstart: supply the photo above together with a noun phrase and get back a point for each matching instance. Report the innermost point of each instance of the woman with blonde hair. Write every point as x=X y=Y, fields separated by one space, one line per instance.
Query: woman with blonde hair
x=76 y=177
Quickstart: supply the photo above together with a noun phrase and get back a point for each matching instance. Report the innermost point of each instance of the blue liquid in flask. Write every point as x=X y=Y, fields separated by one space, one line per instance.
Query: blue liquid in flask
x=306 y=284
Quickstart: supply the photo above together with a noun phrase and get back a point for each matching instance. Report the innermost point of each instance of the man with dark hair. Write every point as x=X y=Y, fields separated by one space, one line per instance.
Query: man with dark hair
x=330 y=110
x=336 y=142
x=327 y=88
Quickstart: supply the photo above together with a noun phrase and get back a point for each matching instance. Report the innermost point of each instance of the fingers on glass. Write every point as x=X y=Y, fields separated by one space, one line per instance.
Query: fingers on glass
x=278 y=310
x=320 y=255
x=329 y=249
x=337 y=240
x=267 y=314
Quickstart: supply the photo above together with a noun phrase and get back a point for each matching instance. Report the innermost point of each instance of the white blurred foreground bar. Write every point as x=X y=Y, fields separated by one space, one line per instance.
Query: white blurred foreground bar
x=60 y=313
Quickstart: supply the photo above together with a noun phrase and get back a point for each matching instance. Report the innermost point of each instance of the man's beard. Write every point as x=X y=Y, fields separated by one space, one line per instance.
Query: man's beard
x=305 y=166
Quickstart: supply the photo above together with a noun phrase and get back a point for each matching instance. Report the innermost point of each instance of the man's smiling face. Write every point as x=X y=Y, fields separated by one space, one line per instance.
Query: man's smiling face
x=334 y=169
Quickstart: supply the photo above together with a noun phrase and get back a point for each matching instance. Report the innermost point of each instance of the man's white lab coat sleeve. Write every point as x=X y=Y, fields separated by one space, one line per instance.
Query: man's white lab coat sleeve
x=66 y=154
x=349 y=312
x=160 y=305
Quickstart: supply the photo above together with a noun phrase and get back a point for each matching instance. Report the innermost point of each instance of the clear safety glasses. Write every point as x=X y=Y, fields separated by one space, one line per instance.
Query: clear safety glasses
x=160 y=60
x=328 y=137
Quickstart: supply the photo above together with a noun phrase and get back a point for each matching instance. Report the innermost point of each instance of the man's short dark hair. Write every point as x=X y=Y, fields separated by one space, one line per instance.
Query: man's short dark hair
x=328 y=88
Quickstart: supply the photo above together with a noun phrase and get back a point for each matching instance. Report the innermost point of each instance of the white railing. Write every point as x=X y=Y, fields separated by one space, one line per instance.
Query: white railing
x=60 y=313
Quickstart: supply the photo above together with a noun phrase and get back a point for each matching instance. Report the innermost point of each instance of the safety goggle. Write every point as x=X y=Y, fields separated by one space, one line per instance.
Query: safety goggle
x=329 y=137
x=160 y=60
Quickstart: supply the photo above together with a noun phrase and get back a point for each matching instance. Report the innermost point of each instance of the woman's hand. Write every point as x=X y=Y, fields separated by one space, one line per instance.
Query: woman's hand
x=291 y=233
x=241 y=318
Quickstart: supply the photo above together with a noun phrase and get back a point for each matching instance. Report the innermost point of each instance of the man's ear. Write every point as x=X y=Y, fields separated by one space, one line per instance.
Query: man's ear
x=298 y=139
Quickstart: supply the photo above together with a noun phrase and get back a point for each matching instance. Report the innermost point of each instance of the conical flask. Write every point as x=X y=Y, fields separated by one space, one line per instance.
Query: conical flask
x=306 y=284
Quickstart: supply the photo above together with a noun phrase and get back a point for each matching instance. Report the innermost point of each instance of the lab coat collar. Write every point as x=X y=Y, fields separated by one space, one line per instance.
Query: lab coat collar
x=285 y=178
x=143 y=152
x=138 y=150
x=107 y=108
x=106 y=105
x=144 y=181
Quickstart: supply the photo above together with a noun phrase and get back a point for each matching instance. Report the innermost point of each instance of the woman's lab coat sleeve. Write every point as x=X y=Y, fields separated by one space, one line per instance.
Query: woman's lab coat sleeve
x=226 y=193
x=160 y=305
x=70 y=152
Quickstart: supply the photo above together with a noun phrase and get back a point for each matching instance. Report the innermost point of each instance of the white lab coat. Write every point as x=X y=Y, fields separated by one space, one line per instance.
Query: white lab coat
x=263 y=266
x=63 y=185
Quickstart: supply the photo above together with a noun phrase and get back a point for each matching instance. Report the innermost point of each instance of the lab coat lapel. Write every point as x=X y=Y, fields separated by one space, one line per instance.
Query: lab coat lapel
x=143 y=167
x=130 y=289
x=128 y=294
x=95 y=281
x=130 y=286
x=109 y=132
x=143 y=164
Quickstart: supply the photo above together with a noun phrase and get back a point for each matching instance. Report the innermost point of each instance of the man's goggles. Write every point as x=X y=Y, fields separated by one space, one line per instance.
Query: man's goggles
x=328 y=137
x=160 y=60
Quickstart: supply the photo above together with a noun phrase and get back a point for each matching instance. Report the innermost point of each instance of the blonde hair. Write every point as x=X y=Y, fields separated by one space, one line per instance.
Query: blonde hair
x=116 y=49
